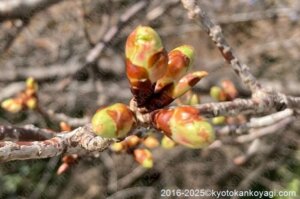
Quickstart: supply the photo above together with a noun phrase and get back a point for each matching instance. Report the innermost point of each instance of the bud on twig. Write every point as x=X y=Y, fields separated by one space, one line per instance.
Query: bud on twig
x=146 y=62
x=114 y=121
x=143 y=157
x=180 y=62
x=185 y=126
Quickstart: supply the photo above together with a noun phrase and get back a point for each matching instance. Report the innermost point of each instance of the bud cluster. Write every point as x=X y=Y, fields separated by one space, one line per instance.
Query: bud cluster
x=155 y=76
x=27 y=99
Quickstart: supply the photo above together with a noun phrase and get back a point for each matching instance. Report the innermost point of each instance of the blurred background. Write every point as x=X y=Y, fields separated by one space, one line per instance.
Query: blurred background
x=75 y=50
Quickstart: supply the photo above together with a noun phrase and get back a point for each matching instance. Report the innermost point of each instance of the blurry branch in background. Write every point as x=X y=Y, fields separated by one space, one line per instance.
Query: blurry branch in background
x=22 y=9
x=19 y=25
x=215 y=33
x=259 y=15
x=93 y=54
x=262 y=100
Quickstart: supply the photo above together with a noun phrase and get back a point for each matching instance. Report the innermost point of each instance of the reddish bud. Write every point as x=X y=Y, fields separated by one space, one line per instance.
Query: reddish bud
x=143 y=157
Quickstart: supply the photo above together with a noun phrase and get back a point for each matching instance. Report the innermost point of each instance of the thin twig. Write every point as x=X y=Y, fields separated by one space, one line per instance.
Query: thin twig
x=215 y=32
x=97 y=50
x=22 y=9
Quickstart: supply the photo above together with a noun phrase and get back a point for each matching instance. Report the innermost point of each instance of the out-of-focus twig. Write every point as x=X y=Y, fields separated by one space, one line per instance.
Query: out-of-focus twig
x=215 y=32
x=255 y=123
x=22 y=9
x=262 y=100
x=19 y=26
x=97 y=50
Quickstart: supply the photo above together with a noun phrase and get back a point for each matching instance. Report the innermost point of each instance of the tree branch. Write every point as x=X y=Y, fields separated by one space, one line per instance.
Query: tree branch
x=101 y=45
x=22 y=9
x=79 y=140
x=27 y=133
x=215 y=32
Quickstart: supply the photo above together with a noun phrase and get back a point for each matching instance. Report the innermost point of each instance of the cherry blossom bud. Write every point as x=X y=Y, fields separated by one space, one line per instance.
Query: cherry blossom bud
x=12 y=105
x=146 y=62
x=143 y=157
x=185 y=126
x=65 y=126
x=180 y=61
x=229 y=89
x=31 y=103
x=219 y=120
x=117 y=147
x=167 y=143
x=132 y=141
x=217 y=93
x=174 y=91
x=151 y=142
x=31 y=84
x=114 y=121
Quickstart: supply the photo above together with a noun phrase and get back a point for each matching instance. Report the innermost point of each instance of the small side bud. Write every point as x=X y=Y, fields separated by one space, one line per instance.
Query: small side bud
x=219 y=120
x=229 y=89
x=151 y=142
x=31 y=84
x=65 y=126
x=31 y=103
x=217 y=93
x=167 y=143
x=132 y=141
x=144 y=157
x=12 y=105
x=117 y=147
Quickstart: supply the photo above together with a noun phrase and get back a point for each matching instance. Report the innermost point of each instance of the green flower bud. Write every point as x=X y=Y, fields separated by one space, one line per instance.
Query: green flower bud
x=146 y=62
x=219 y=120
x=180 y=62
x=114 y=121
x=144 y=157
x=185 y=126
x=217 y=93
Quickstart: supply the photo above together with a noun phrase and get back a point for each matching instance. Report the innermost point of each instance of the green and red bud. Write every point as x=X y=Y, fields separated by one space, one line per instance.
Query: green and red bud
x=167 y=143
x=217 y=93
x=180 y=62
x=151 y=142
x=12 y=105
x=31 y=84
x=114 y=121
x=171 y=92
x=186 y=83
x=117 y=147
x=146 y=61
x=144 y=157
x=185 y=126
x=157 y=78
x=229 y=89
x=27 y=99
